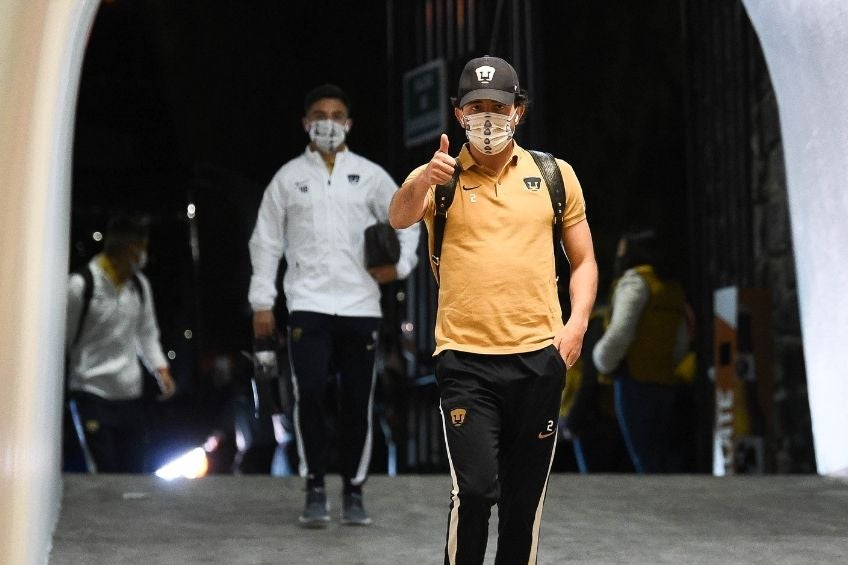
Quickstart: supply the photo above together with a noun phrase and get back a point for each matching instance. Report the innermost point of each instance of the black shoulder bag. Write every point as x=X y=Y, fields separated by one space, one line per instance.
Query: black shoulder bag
x=381 y=245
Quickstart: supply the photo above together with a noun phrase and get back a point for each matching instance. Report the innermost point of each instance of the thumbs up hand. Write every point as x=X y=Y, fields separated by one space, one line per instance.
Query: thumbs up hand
x=440 y=168
x=443 y=143
x=409 y=203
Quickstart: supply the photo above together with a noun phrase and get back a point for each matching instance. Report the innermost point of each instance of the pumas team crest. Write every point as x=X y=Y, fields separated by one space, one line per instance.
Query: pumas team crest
x=457 y=416
x=485 y=74
x=353 y=179
x=533 y=184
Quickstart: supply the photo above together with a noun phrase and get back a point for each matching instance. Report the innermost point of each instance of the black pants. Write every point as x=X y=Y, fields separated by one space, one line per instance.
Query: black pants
x=499 y=414
x=115 y=431
x=319 y=343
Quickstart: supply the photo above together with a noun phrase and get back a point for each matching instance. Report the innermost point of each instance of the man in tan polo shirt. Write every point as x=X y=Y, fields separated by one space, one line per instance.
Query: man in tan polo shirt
x=501 y=344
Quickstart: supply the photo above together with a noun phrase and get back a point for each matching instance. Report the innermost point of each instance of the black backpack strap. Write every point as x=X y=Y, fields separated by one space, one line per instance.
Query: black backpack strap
x=444 y=199
x=87 y=293
x=556 y=188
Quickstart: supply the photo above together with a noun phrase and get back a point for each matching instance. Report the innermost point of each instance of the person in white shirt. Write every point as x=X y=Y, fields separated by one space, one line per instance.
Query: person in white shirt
x=111 y=324
x=314 y=213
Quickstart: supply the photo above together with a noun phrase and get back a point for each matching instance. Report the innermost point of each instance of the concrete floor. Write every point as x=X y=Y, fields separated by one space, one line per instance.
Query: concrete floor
x=599 y=519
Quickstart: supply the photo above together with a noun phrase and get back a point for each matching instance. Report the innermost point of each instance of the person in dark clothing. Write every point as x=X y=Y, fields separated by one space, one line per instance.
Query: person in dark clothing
x=587 y=412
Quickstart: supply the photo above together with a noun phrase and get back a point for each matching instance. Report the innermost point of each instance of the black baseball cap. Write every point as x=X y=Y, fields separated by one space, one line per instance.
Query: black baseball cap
x=488 y=78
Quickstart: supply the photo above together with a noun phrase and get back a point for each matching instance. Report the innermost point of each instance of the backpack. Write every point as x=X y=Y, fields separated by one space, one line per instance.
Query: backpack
x=556 y=189
x=88 y=292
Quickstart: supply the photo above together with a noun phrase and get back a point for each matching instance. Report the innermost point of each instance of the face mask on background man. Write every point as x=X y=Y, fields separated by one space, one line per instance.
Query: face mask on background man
x=327 y=135
x=142 y=260
x=141 y=263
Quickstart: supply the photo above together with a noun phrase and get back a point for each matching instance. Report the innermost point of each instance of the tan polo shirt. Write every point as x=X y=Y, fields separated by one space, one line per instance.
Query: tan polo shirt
x=497 y=292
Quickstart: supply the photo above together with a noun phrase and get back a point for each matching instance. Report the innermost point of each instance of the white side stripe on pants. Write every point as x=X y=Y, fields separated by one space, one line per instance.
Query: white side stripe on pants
x=303 y=468
x=537 y=521
x=365 y=459
x=454 y=515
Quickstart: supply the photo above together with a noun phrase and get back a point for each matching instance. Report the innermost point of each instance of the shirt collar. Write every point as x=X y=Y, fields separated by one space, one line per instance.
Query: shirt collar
x=110 y=269
x=316 y=157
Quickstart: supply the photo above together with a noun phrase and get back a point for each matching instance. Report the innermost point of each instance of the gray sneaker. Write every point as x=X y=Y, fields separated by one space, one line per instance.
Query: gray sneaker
x=316 y=512
x=353 y=513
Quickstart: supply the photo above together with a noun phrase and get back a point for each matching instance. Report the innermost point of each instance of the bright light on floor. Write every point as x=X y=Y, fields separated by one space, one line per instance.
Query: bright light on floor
x=191 y=465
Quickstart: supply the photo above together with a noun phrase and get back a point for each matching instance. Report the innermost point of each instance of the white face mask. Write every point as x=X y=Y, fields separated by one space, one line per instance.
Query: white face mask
x=327 y=135
x=142 y=262
x=489 y=133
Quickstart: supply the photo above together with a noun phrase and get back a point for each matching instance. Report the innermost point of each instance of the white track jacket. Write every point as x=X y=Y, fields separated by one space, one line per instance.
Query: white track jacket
x=119 y=328
x=317 y=221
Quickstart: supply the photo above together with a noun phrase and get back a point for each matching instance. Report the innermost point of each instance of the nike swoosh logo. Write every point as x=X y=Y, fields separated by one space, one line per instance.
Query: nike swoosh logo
x=470 y=187
x=543 y=436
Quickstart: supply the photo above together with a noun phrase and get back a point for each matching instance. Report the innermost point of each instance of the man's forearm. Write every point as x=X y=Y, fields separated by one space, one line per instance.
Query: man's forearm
x=265 y=258
x=583 y=289
x=407 y=204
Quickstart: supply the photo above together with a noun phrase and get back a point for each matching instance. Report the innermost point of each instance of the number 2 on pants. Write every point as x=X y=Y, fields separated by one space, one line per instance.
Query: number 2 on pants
x=549 y=430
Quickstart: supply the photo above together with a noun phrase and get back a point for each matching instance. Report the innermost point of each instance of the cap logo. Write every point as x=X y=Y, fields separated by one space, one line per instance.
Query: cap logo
x=485 y=74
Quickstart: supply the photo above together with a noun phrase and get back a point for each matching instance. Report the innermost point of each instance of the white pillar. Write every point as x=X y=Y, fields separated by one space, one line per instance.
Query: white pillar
x=805 y=45
x=41 y=49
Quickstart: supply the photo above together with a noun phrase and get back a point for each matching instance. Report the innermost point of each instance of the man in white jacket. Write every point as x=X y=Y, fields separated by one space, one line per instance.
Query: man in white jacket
x=111 y=324
x=314 y=212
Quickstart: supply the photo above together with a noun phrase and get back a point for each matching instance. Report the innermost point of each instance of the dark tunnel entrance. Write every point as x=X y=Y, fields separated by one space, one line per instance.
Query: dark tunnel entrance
x=664 y=110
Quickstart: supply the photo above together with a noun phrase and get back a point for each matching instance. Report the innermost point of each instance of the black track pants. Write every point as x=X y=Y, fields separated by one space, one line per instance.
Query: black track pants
x=499 y=414
x=115 y=431
x=317 y=344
